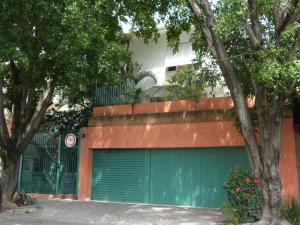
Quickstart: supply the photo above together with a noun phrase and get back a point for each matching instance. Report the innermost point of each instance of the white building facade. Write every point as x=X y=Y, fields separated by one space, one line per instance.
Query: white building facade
x=159 y=58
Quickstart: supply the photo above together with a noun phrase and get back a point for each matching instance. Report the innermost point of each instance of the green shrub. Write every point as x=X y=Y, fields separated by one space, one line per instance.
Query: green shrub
x=291 y=211
x=185 y=84
x=243 y=195
x=231 y=213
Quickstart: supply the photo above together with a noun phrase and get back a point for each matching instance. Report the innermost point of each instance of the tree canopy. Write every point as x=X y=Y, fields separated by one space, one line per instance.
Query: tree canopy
x=69 y=44
x=50 y=47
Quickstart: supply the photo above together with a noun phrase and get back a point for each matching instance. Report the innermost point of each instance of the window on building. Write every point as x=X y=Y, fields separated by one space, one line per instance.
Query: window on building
x=171 y=68
x=170 y=71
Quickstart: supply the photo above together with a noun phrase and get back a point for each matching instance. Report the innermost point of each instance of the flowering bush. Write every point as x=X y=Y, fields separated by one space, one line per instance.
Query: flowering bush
x=243 y=195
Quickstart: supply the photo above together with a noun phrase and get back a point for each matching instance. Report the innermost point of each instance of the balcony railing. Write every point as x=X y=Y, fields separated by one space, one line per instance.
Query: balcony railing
x=114 y=95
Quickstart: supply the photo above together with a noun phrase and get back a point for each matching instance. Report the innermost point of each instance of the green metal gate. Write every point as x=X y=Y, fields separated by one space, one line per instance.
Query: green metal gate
x=48 y=166
x=186 y=177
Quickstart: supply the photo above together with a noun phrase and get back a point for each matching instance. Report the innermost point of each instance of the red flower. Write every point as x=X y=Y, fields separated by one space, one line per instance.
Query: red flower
x=256 y=181
x=247 y=180
x=238 y=189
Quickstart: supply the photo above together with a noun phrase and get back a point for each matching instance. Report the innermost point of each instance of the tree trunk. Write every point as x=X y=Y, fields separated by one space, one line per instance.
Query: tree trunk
x=271 y=197
x=8 y=180
x=271 y=200
x=271 y=191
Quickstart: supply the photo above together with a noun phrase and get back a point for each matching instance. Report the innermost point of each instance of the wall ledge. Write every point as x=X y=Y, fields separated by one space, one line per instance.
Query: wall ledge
x=218 y=103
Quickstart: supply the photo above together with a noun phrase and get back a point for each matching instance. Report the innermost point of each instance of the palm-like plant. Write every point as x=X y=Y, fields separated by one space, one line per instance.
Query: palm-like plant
x=140 y=80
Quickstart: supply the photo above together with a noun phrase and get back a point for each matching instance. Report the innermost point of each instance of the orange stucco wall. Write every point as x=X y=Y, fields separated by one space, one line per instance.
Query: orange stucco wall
x=288 y=160
x=196 y=134
x=168 y=106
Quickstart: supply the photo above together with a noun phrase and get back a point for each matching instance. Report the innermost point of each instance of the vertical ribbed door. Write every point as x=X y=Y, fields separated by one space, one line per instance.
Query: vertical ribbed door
x=186 y=177
x=118 y=175
x=193 y=177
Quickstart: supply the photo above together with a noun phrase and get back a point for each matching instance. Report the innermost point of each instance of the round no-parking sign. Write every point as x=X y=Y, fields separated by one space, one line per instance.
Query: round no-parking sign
x=70 y=140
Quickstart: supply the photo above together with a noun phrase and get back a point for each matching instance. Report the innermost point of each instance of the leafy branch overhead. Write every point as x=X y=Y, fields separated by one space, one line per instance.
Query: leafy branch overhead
x=51 y=48
x=71 y=44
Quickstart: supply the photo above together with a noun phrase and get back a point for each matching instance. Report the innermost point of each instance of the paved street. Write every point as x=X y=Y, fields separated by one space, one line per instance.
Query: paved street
x=59 y=212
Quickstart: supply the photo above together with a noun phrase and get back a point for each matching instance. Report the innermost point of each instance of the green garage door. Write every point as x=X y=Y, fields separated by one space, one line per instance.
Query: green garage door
x=187 y=177
x=118 y=176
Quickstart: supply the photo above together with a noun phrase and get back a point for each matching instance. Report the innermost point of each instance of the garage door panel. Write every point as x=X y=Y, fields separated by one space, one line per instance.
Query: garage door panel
x=170 y=177
x=192 y=177
x=208 y=183
x=118 y=175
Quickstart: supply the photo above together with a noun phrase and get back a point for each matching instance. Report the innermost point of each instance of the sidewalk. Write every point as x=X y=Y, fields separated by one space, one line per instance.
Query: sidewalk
x=61 y=212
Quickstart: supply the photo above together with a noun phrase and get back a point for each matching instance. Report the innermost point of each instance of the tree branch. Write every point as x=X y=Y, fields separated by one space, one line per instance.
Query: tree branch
x=291 y=90
x=207 y=35
x=296 y=15
x=37 y=117
x=231 y=79
x=255 y=29
x=4 y=139
x=23 y=108
x=255 y=42
x=283 y=17
x=18 y=101
x=30 y=108
x=209 y=41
